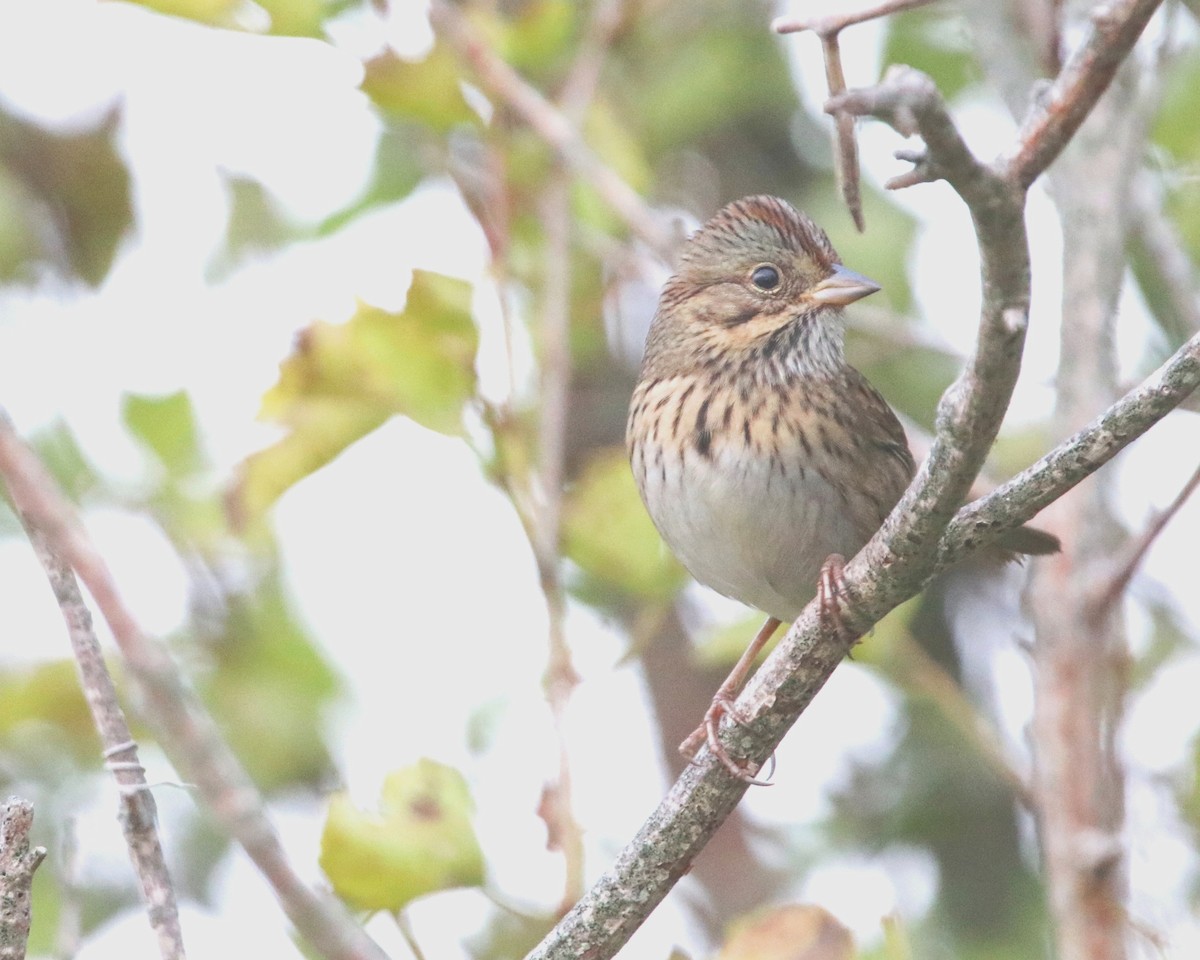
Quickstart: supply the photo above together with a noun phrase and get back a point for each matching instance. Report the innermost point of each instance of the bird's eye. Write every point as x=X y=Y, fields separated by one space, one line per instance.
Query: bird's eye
x=765 y=277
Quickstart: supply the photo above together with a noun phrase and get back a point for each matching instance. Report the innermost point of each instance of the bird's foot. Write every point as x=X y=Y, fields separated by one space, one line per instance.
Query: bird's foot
x=709 y=732
x=831 y=590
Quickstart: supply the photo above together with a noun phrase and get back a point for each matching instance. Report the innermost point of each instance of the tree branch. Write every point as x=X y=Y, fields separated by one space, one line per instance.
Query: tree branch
x=1110 y=590
x=971 y=410
x=827 y=28
x=185 y=729
x=18 y=861
x=138 y=812
x=1058 y=113
x=1018 y=500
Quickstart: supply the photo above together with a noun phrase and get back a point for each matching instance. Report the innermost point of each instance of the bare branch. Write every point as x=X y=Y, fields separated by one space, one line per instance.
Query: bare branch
x=1037 y=486
x=971 y=410
x=830 y=25
x=1058 y=113
x=845 y=157
x=555 y=367
x=18 y=861
x=138 y=811
x=547 y=121
x=1109 y=592
x=184 y=728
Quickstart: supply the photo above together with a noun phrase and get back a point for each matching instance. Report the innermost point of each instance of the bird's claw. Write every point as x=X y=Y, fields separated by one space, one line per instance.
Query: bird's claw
x=831 y=592
x=709 y=732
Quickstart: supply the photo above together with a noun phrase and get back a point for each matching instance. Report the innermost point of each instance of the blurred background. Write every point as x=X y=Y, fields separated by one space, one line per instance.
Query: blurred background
x=334 y=358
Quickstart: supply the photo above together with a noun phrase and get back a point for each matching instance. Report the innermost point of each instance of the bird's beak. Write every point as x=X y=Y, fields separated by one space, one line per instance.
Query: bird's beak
x=841 y=287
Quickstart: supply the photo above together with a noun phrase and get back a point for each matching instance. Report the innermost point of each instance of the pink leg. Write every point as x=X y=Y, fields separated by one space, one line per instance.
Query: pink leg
x=830 y=589
x=723 y=705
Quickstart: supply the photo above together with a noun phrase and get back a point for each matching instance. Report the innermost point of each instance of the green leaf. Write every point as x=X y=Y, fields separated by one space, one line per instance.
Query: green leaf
x=428 y=90
x=344 y=380
x=419 y=842
x=166 y=426
x=398 y=169
x=66 y=461
x=722 y=646
x=608 y=533
x=43 y=700
x=1175 y=127
x=70 y=188
x=271 y=689
x=538 y=37
x=297 y=18
x=1178 y=134
x=256 y=220
x=212 y=12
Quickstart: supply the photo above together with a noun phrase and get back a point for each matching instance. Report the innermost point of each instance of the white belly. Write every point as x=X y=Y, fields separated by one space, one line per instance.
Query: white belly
x=751 y=529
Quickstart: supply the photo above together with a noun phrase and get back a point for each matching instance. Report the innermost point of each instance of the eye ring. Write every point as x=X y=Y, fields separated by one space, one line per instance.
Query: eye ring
x=765 y=276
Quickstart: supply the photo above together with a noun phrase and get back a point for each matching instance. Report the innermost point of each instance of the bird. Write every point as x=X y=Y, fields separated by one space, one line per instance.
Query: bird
x=764 y=458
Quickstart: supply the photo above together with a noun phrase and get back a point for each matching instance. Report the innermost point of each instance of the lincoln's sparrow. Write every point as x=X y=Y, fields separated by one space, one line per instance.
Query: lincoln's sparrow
x=762 y=456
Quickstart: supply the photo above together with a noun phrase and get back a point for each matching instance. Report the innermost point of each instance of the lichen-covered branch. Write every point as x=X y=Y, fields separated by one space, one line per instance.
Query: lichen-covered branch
x=18 y=861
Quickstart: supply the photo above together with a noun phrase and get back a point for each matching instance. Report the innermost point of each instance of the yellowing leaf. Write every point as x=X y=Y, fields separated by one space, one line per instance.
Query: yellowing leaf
x=166 y=425
x=216 y=12
x=297 y=18
x=427 y=90
x=538 y=35
x=608 y=533
x=44 y=705
x=793 y=932
x=344 y=380
x=420 y=841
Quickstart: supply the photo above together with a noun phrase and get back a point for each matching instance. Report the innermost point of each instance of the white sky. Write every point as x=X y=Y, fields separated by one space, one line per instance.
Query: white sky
x=374 y=544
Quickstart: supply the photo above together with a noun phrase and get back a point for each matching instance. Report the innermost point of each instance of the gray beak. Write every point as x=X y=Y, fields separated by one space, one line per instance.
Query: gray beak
x=841 y=287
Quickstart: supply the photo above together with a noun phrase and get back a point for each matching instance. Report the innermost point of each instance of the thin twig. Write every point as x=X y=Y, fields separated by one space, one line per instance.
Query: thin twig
x=828 y=28
x=1021 y=498
x=138 y=812
x=1126 y=565
x=578 y=89
x=18 y=861
x=845 y=156
x=561 y=678
x=503 y=82
x=833 y=23
x=185 y=730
